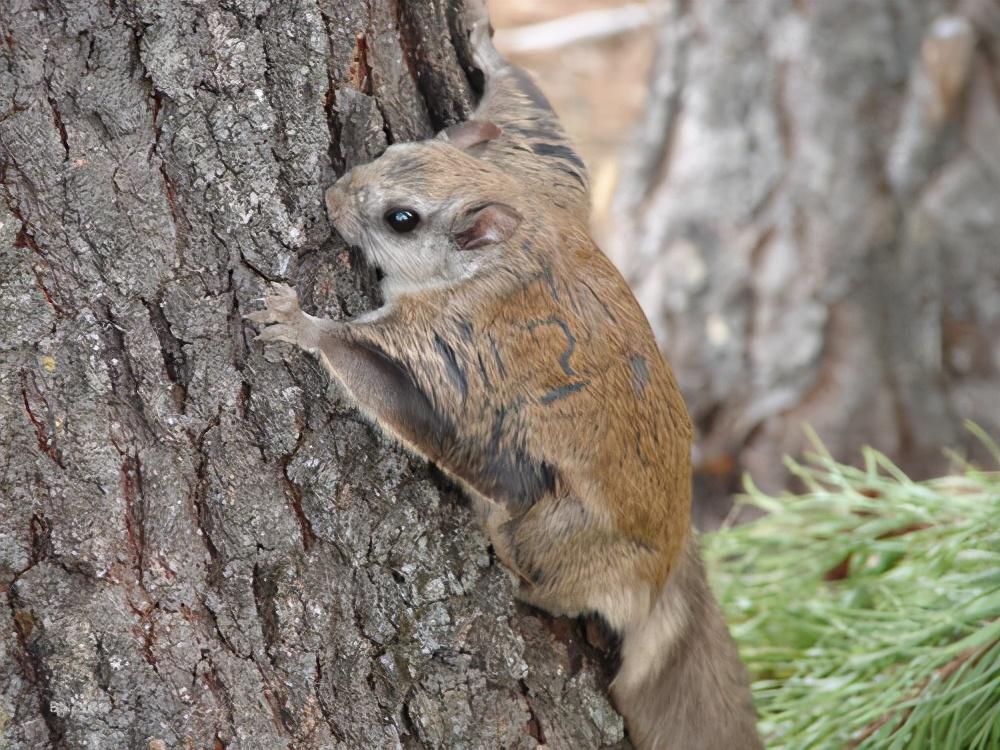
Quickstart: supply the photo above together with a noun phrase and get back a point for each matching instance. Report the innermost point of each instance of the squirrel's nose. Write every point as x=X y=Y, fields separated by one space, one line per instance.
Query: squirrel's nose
x=334 y=203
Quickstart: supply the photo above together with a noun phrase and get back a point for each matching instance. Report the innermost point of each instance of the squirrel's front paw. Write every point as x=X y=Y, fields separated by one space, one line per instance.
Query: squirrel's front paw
x=282 y=315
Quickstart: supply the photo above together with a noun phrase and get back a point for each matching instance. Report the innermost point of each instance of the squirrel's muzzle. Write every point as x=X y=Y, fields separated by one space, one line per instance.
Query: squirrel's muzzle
x=334 y=203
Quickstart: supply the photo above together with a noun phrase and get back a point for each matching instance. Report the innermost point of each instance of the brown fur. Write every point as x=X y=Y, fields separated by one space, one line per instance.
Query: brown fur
x=532 y=145
x=512 y=354
x=528 y=368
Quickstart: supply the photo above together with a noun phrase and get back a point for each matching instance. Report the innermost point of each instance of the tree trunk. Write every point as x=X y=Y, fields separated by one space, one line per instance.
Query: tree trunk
x=810 y=215
x=202 y=545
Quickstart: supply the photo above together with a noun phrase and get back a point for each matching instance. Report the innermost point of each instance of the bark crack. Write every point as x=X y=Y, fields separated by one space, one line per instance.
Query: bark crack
x=175 y=361
x=295 y=495
x=534 y=727
x=265 y=593
x=135 y=509
x=45 y=433
x=325 y=711
x=200 y=490
x=26 y=239
x=32 y=667
x=60 y=125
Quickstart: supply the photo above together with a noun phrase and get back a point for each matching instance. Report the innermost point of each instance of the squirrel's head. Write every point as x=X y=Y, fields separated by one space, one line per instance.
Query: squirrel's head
x=428 y=213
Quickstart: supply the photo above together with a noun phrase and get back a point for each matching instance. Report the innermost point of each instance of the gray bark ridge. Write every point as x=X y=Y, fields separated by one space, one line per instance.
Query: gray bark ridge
x=809 y=215
x=201 y=545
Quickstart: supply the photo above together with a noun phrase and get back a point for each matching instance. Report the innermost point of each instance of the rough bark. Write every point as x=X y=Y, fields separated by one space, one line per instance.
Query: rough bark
x=201 y=544
x=810 y=215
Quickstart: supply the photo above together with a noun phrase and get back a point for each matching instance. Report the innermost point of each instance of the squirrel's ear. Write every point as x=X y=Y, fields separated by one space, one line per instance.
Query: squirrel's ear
x=485 y=225
x=470 y=133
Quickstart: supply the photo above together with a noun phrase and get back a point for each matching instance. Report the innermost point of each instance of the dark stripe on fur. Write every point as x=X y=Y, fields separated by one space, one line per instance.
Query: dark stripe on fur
x=451 y=366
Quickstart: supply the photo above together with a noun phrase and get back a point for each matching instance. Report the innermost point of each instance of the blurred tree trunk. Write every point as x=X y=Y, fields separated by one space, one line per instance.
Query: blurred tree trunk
x=810 y=215
x=201 y=545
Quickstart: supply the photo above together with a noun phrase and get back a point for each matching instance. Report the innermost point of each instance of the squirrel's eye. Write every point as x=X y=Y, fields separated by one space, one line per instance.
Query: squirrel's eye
x=402 y=220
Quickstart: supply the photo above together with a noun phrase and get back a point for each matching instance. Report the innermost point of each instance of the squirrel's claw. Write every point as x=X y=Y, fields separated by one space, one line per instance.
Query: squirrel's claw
x=261 y=317
x=279 y=332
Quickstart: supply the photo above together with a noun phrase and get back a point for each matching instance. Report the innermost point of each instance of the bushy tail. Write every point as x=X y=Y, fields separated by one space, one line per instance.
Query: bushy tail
x=682 y=685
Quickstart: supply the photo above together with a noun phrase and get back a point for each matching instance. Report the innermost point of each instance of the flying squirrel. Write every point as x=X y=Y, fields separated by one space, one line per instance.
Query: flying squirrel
x=511 y=353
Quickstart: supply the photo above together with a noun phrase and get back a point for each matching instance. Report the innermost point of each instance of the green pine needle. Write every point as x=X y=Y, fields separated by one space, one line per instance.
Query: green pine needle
x=868 y=609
